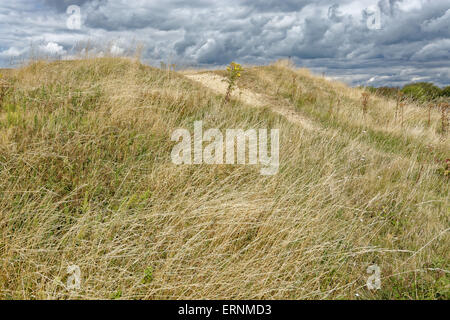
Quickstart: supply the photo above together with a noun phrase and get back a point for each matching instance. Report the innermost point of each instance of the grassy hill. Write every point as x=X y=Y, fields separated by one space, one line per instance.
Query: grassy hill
x=86 y=179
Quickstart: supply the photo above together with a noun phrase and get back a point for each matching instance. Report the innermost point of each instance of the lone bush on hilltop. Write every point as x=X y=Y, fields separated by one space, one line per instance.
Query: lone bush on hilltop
x=233 y=74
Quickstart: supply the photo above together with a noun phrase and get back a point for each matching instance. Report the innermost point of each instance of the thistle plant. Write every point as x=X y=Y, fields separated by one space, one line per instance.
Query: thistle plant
x=294 y=87
x=365 y=102
x=399 y=100
x=444 y=117
x=233 y=74
x=402 y=110
x=430 y=106
x=2 y=89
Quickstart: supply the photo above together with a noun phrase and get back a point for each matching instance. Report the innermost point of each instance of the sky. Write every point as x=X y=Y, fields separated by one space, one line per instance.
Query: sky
x=364 y=42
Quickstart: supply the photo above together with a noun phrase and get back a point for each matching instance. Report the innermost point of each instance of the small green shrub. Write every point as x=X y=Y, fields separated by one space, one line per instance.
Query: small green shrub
x=234 y=73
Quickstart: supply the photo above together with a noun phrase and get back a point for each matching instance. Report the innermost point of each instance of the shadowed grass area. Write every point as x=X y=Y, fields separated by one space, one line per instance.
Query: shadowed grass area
x=86 y=179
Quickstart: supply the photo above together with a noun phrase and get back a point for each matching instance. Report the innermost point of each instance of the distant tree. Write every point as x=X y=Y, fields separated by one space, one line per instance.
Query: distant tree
x=445 y=92
x=389 y=92
x=421 y=91
x=418 y=91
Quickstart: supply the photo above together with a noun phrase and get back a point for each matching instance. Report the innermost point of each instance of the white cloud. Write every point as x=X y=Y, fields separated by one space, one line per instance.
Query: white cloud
x=413 y=79
x=439 y=49
x=12 y=52
x=116 y=50
x=52 y=48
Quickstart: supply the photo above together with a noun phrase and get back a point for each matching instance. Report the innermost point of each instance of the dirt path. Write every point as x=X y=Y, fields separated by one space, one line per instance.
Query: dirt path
x=217 y=84
x=251 y=98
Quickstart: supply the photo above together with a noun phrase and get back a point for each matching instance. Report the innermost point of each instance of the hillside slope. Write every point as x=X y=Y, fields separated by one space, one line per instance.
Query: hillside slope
x=86 y=179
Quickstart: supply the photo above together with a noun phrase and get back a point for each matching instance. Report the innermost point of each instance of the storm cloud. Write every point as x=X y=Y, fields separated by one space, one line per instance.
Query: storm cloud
x=385 y=42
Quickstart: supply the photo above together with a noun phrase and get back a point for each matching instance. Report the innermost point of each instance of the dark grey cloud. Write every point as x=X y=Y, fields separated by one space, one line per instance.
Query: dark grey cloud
x=276 y=5
x=327 y=36
x=61 y=5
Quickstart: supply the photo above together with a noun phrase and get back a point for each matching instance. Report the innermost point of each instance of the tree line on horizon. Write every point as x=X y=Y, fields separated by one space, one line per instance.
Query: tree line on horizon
x=417 y=91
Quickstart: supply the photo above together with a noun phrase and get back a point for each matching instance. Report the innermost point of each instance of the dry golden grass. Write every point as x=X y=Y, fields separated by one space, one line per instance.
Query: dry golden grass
x=86 y=179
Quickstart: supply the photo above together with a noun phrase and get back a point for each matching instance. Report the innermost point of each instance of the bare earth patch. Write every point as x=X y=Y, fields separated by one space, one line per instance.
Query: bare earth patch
x=217 y=84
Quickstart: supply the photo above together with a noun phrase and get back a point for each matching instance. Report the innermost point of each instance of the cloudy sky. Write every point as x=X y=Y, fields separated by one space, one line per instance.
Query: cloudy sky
x=373 y=42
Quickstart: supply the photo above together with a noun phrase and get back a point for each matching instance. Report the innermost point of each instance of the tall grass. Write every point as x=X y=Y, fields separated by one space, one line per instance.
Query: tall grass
x=86 y=179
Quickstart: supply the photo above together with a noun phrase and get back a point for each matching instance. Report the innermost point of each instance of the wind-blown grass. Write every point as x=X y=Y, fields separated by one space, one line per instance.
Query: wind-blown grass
x=86 y=179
